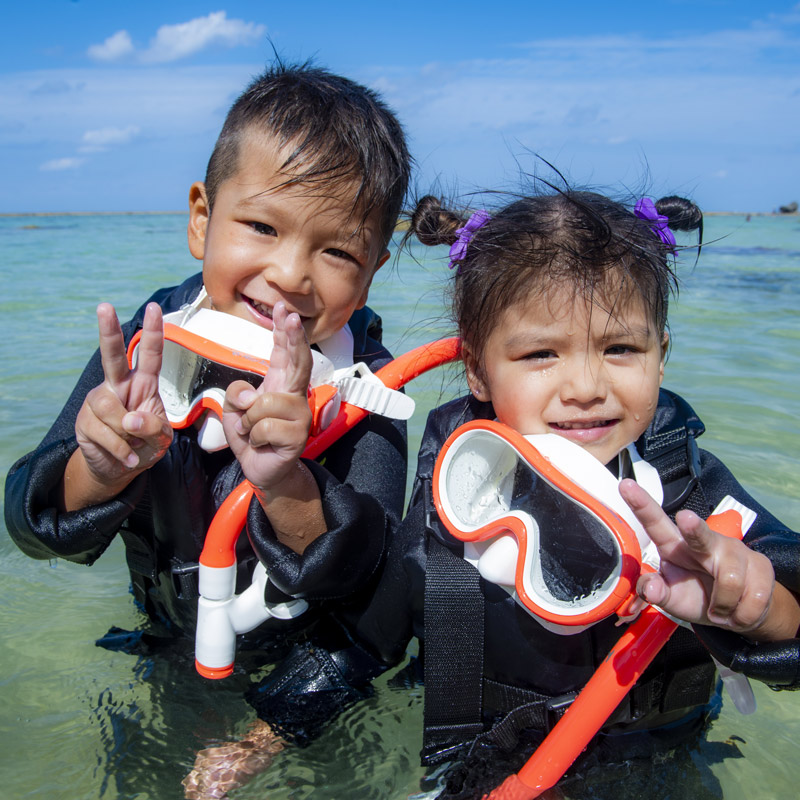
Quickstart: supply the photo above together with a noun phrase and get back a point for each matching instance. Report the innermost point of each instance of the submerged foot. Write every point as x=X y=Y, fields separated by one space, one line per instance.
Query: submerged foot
x=219 y=770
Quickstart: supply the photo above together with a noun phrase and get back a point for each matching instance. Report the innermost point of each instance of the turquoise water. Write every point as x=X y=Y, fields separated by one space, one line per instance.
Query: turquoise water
x=77 y=721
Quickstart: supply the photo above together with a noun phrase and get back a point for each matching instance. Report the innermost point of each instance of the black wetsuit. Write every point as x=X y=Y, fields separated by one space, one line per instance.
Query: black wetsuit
x=525 y=675
x=164 y=514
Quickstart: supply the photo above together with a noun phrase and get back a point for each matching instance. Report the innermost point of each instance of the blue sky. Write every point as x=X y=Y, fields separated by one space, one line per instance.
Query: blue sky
x=113 y=106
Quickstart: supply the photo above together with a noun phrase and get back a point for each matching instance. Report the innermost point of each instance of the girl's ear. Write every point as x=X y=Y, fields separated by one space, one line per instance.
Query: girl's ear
x=475 y=380
x=664 y=352
x=199 y=214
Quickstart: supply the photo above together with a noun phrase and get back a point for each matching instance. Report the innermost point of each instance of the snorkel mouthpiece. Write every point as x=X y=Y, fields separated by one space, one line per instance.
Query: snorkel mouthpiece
x=542 y=518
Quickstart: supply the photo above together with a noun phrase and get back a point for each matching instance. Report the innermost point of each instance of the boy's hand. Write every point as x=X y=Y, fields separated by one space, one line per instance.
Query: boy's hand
x=268 y=428
x=705 y=577
x=122 y=428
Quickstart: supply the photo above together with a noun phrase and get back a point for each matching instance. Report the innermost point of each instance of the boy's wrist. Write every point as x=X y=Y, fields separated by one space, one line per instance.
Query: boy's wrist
x=82 y=486
x=293 y=507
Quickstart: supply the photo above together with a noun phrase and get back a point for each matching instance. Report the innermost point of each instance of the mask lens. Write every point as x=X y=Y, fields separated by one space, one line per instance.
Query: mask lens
x=212 y=375
x=479 y=480
x=185 y=375
x=577 y=554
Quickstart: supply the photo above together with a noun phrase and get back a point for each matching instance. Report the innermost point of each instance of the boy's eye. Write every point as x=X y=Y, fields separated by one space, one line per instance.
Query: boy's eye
x=263 y=228
x=539 y=355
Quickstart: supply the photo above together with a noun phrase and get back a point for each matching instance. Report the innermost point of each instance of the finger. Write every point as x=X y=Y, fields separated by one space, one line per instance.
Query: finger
x=149 y=429
x=658 y=526
x=279 y=434
x=239 y=396
x=653 y=589
x=105 y=406
x=112 y=345
x=757 y=596
x=273 y=405
x=730 y=575
x=93 y=431
x=151 y=345
x=291 y=360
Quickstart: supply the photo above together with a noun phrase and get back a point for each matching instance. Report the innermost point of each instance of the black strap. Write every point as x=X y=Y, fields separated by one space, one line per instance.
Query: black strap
x=453 y=651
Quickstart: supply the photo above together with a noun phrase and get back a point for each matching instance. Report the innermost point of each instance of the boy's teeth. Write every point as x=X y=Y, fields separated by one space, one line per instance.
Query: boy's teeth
x=572 y=425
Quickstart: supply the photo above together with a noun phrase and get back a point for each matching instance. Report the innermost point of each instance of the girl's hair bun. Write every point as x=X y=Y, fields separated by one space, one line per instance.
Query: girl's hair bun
x=683 y=214
x=432 y=224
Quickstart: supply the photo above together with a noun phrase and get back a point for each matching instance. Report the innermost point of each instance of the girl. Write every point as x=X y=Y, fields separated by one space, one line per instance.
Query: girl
x=561 y=306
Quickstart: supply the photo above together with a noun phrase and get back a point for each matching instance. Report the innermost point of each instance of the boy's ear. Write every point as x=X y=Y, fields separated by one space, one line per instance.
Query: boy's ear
x=362 y=301
x=475 y=380
x=199 y=214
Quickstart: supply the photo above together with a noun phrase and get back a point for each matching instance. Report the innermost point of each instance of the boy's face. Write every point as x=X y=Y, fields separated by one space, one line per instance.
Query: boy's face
x=558 y=364
x=263 y=244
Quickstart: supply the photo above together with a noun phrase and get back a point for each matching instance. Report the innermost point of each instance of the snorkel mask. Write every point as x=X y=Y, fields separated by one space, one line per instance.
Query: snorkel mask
x=542 y=518
x=206 y=350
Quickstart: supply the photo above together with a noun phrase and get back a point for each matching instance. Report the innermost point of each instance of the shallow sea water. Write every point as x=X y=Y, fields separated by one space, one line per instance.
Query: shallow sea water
x=78 y=721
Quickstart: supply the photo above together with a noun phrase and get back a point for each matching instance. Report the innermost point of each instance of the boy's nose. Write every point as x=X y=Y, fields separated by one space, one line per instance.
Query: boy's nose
x=585 y=382
x=288 y=271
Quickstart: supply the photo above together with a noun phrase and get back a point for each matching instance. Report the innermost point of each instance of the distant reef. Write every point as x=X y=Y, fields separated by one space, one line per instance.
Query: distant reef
x=90 y=213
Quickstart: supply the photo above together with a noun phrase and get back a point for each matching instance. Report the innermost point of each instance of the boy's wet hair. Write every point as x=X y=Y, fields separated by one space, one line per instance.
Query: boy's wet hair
x=577 y=239
x=336 y=131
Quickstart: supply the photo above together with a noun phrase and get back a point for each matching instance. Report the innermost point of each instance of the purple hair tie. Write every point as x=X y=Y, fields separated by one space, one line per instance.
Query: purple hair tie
x=646 y=209
x=464 y=236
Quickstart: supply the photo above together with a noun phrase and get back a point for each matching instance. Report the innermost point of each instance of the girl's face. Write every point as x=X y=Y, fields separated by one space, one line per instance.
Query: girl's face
x=558 y=363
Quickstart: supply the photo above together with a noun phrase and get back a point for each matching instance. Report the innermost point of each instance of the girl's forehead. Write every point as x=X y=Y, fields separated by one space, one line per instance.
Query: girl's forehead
x=612 y=302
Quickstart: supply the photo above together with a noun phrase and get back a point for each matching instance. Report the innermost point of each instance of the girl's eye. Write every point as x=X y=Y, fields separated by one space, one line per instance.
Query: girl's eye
x=620 y=349
x=263 y=228
x=539 y=355
x=336 y=253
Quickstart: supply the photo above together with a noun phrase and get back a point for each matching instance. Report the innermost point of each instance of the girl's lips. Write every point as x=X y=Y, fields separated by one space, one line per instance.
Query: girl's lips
x=584 y=431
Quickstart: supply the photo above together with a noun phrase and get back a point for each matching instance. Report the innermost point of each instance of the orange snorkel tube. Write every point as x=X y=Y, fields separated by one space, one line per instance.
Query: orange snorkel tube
x=604 y=691
x=218 y=558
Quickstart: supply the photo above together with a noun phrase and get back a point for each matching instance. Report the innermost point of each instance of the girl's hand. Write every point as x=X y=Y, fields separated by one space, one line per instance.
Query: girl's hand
x=705 y=577
x=122 y=428
x=268 y=428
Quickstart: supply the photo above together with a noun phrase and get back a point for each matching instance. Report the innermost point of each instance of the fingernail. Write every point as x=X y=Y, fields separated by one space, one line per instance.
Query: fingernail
x=133 y=422
x=246 y=397
x=132 y=461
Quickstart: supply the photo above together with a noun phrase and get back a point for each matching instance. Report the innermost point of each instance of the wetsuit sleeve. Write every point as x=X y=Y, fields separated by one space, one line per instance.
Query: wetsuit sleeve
x=32 y=519
x=774 y=663
x=334 y=668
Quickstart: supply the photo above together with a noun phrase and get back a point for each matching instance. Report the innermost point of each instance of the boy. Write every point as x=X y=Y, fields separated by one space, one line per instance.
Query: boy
x=301 y=196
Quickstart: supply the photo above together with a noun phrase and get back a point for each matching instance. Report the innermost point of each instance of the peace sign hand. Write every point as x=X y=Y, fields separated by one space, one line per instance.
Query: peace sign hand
x=122 y=428
x=267 y=428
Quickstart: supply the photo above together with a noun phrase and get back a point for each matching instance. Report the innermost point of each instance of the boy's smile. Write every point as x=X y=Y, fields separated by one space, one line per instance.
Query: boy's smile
x=265 y=241
x=558 y=364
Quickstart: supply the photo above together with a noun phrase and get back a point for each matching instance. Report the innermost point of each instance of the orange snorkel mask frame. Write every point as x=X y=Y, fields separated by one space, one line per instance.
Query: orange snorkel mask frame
x=483 y=457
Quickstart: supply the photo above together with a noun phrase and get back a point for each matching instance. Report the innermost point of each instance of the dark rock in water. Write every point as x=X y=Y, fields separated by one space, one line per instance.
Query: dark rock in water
x=790 y=208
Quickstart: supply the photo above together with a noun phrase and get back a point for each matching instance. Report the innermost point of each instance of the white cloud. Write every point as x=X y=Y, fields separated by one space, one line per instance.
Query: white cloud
x=173 y=42
x=60 y=164
x=112 y=49
x=100 y=139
